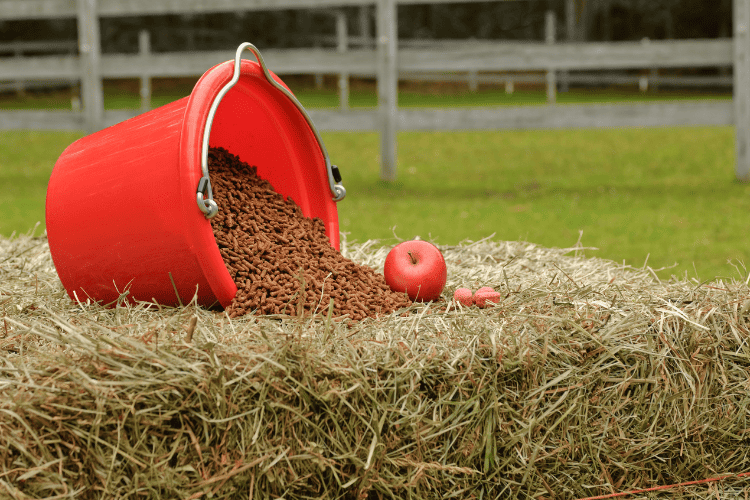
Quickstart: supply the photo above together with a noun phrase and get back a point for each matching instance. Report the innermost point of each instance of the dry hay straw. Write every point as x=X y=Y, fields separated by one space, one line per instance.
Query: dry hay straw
x=588 y=378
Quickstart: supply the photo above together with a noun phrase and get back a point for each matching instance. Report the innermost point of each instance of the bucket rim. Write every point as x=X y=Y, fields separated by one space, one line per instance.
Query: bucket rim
x=204 y=194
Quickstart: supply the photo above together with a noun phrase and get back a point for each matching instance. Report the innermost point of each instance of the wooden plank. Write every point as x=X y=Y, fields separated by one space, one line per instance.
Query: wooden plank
x=38 y=84
x=163 y=64
x=364 y=38
x=166 y=64
x=57 y=120
x=112 y=117
x=39 y=46
x=130 y=7
x=144 y=51
x=549 y=38
x=280 y=61
x=742 y=88
x=19 y=85
x=342 y=46
x=570 y=26
x=36 y=9
x=523 y=56
x=31 y=9
x=581 y=78
x=387 y=77
x=353 y=120
x=40 y=120
x=666 y=114
x=41 y=67
x=91 y=80
x=495 y=56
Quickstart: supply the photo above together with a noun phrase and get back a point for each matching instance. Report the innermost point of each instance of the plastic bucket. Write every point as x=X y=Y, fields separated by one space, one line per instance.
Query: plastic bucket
x=125 y=205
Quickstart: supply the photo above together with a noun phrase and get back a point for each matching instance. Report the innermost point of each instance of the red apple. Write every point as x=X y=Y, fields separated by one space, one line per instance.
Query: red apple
x=485 y=295
x=416 y=267
x=464 y=296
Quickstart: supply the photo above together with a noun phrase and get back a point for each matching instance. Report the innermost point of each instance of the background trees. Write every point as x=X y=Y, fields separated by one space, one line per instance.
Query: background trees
x=517 y=20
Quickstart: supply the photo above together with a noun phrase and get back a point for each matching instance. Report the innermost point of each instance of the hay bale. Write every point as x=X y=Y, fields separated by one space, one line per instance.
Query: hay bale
x=588 y=378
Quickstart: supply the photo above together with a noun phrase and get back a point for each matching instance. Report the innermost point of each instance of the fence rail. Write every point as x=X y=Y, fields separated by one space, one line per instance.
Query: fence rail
x=497 y=56
x=36 y=9
x=386 y=61
x=663 y=114
x=474 y=78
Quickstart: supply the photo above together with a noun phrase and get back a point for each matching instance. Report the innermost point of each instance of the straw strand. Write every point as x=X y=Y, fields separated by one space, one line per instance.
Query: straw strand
x=666 y=487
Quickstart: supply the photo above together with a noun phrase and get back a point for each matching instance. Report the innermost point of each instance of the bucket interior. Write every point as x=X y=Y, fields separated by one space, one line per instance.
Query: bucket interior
x=256 y=122
x=264 y=128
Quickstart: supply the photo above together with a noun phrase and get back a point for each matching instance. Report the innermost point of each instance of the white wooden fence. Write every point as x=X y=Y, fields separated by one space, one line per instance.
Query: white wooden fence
x=387 y=61
x=18 y=49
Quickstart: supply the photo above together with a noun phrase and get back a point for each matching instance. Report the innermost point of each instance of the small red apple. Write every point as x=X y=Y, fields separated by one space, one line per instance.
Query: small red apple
x=416 y=267
x=464 y=296
x=485 y=295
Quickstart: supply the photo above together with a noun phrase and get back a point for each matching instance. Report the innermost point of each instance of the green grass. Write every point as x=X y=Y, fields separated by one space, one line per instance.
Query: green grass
x=665 y=194
x=26 y=161
x=668 y=195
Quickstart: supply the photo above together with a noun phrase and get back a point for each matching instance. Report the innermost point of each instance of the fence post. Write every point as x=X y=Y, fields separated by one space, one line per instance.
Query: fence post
x=570 y=27
x=319 y=77
x=741 y=93
x=549 y=37
x=90 y=59
x=342 y=42
x=144 y=49
x=387 y=86
x=472 y=78
x=19 y=85
x=364 y=26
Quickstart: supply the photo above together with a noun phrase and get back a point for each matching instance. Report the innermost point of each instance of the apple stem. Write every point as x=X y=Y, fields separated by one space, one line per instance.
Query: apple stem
x=413 y=259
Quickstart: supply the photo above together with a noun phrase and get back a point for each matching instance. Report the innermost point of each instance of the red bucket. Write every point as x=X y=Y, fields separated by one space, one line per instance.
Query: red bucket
x=128 y=206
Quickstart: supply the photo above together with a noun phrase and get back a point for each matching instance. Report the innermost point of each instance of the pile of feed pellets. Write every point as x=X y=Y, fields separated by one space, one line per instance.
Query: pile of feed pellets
x=281 y=261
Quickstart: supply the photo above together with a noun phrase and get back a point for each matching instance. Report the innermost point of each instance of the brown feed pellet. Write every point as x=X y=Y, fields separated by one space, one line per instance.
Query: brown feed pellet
x=281 y=261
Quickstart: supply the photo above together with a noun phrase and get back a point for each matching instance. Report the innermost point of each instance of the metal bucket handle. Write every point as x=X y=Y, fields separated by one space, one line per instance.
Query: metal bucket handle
x=204 y=194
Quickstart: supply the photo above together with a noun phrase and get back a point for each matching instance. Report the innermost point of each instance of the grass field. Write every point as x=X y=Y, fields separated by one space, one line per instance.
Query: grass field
x=669 y=193
x=666 y=195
